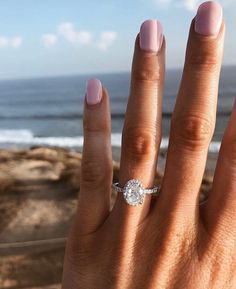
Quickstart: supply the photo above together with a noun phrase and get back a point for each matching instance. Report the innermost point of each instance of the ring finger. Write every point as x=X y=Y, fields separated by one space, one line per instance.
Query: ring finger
x=142 y=128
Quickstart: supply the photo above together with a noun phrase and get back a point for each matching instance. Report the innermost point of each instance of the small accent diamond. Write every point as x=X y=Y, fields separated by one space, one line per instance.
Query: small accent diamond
x=134 y=193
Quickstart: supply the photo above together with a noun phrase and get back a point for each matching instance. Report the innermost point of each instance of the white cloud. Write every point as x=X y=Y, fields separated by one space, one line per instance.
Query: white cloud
x=85 y=37
x=3 y=42
x=107 y=38
x=68 y=31
x=190 y=5
x=49 y=40
x=14 y=42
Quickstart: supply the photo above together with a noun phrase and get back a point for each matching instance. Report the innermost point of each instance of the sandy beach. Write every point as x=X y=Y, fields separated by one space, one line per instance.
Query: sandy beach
x=38 y=195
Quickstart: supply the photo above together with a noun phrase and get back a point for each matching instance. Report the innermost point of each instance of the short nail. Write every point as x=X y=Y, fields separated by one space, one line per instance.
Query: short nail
x=94 y=91
x=151 y=36
x=209 y=19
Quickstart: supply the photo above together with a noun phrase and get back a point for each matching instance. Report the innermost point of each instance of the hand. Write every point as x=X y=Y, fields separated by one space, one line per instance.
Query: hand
x=170 y=241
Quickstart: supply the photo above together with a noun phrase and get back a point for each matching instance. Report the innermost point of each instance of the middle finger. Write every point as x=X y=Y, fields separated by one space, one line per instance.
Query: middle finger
x=193 y=120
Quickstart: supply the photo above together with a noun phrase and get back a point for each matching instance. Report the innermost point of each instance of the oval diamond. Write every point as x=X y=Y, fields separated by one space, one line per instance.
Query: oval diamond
x=134 y=192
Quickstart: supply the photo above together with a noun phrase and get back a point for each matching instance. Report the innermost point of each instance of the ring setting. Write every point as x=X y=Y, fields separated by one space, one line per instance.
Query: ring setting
x=134 y=192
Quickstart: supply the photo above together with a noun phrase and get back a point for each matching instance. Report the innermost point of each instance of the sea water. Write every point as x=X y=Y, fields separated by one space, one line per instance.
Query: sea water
x=49 y=111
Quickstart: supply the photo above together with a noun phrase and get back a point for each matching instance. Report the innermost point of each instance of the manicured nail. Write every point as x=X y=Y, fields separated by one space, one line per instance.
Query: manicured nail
x=94 y=91
x=209 y=18
x=151 y=36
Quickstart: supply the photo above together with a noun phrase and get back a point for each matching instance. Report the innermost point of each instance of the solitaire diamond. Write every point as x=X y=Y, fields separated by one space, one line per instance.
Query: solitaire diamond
x=134 y=193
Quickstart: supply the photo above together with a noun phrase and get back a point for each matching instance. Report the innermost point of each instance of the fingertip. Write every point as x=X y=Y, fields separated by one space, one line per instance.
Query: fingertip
x=151 y=36
x=209 y=18
x=93 y=91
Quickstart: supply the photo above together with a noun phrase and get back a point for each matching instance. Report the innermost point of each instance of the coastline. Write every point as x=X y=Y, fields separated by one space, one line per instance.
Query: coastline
x=38 y=196
x=25 y=139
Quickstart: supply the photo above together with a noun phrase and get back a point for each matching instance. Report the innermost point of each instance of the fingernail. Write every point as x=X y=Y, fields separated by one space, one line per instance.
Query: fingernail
x=209 y=18
x=151 y=36
x=94 y=91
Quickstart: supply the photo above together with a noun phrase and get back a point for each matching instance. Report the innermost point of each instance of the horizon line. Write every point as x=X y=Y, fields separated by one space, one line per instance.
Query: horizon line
x=25 y=78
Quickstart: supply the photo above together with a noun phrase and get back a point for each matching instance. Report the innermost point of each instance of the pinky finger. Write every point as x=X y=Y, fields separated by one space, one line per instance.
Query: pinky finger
x=96 y=167
x=220 y=209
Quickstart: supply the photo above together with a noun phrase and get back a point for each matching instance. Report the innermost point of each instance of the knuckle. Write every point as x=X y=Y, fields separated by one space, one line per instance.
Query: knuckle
x=205 y=59
x=193 y=132
x=93 y=171
x=139 y=143
x=94 y=127
x=147 y=74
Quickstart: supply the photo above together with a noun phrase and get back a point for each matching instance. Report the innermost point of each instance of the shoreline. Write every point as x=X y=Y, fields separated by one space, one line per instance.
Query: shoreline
x=24 y=139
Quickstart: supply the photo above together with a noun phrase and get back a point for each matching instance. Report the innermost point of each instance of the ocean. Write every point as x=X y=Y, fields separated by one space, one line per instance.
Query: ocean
x=49 y=111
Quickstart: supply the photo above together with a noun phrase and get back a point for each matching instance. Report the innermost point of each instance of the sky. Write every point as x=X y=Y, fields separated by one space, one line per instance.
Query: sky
x=40 y=38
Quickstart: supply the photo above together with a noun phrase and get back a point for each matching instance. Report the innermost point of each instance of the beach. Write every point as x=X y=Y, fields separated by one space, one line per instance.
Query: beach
x=38 y=193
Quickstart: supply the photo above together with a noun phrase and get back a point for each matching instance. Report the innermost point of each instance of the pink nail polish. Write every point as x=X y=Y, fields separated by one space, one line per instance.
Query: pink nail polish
x=151 y=36
x=209 y=18
x=94 y=91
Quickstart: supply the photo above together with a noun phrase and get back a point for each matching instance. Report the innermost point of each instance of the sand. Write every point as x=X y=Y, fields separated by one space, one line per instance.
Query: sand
x=38 y=196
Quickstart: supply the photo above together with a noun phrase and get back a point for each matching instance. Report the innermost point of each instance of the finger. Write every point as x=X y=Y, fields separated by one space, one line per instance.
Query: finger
x=220 y=208
x=96 y=167
x=193 y=119
x=142 y=128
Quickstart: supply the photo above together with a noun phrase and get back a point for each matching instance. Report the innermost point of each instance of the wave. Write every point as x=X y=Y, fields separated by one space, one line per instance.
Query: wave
x=26 y=138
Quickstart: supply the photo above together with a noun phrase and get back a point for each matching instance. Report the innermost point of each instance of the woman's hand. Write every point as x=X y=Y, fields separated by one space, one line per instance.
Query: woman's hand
x=170 y=241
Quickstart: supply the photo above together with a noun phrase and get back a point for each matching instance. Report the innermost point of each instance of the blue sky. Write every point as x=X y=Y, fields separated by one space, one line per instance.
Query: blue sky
x=64 y=37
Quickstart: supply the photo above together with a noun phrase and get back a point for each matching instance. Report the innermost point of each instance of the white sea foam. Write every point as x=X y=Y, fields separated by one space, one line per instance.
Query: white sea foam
x=25 y=137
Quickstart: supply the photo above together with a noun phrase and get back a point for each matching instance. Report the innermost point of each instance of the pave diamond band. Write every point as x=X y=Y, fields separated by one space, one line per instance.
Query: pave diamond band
x=134 y=192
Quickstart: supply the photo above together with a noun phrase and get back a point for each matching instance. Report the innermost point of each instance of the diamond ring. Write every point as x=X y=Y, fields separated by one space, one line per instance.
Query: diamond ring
x=134 y=192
